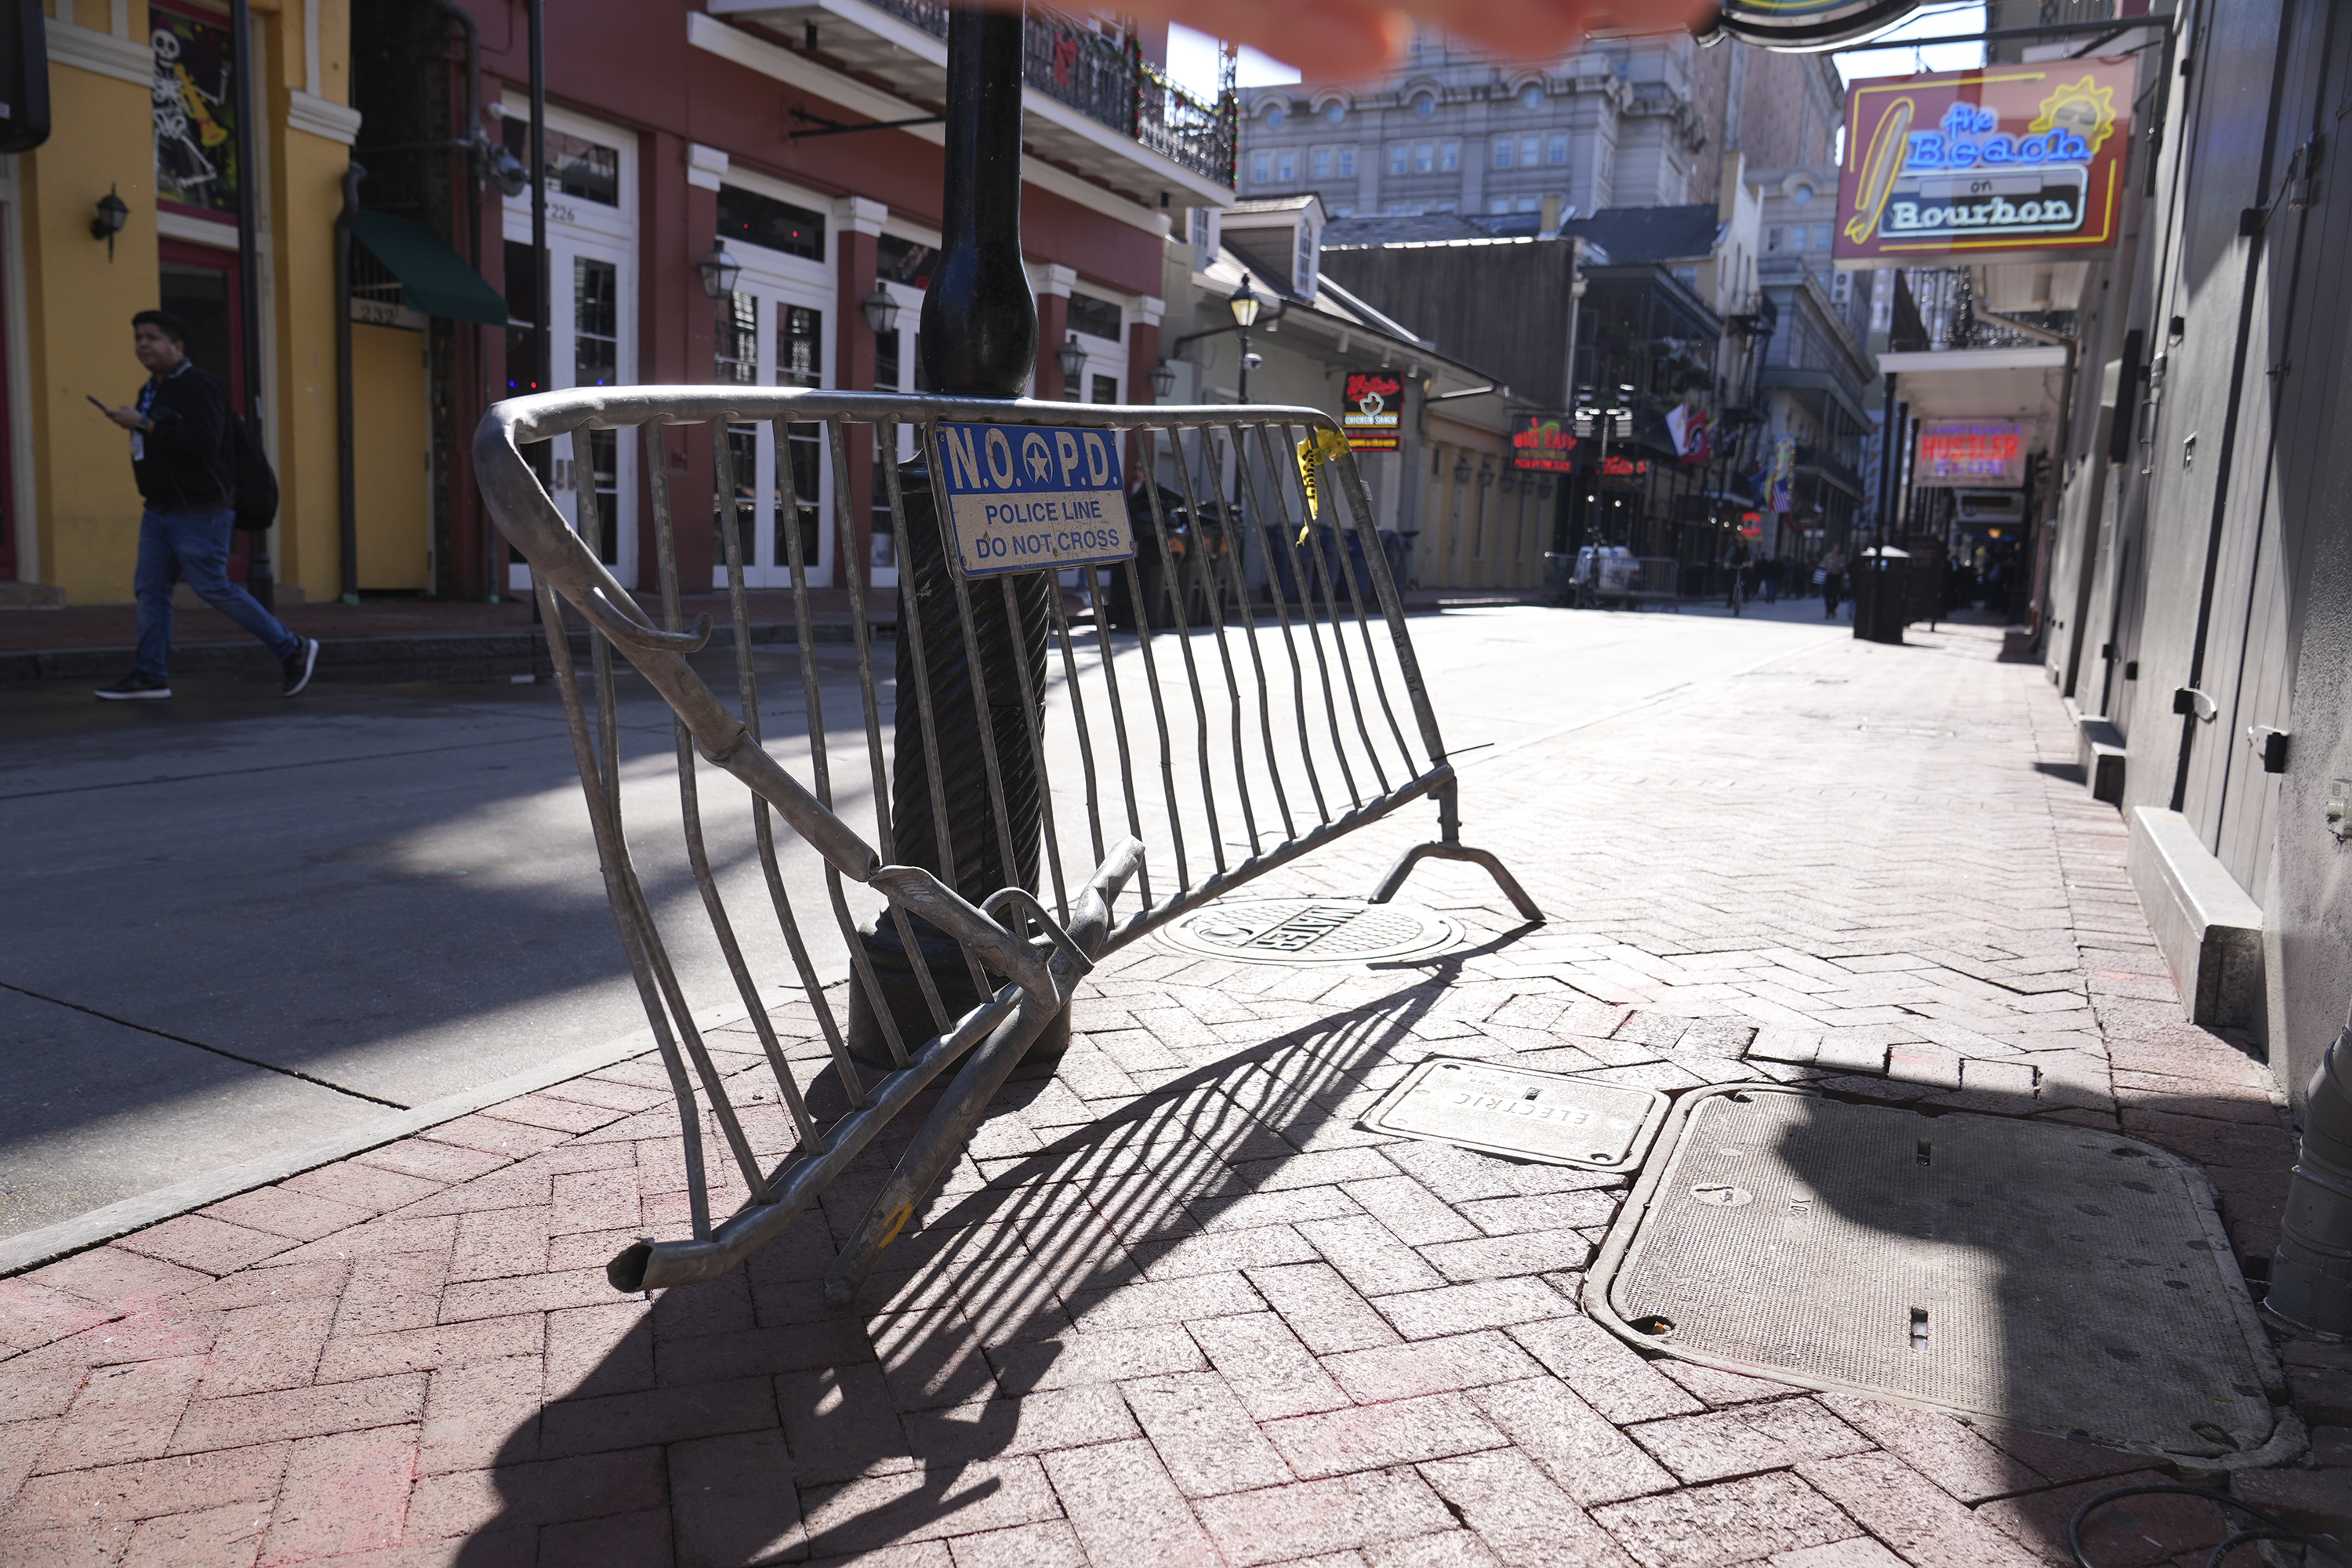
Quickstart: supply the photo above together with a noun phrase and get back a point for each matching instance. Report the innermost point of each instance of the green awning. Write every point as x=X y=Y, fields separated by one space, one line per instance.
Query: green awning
x=433 y=278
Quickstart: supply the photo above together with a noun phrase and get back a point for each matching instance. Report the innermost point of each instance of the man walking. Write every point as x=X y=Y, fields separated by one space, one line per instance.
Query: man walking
x=182 y=455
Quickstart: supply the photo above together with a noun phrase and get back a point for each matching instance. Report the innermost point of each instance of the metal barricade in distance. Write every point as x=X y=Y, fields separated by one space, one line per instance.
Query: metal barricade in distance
x=1182 y=759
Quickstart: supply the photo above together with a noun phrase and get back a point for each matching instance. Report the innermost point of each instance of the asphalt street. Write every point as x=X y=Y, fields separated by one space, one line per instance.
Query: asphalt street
x=233 y=923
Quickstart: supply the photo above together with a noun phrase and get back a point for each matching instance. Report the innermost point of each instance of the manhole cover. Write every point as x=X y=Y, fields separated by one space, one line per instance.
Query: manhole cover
x=2060 y=1278
x=1526 y=1114
x=1312 y=931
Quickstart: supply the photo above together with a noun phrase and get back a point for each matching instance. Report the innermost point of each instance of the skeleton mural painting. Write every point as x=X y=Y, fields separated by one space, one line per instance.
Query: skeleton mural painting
x=196 y=110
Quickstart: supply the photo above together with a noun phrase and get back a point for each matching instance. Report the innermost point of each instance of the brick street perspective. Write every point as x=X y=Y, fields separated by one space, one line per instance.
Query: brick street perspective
x=1173 y=1304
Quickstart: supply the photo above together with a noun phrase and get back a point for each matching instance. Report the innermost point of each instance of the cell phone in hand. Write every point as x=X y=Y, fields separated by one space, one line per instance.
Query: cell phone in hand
x=101 y=407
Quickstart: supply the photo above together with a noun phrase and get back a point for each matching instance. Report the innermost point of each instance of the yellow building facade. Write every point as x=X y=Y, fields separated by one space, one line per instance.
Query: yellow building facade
x=133 y=91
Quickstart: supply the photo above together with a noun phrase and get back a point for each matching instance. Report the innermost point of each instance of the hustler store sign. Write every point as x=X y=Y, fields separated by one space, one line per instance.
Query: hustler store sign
x=1952 y=452
x=2006 y=162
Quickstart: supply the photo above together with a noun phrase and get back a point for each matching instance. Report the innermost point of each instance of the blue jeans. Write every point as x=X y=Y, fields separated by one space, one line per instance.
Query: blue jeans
x=194 y=546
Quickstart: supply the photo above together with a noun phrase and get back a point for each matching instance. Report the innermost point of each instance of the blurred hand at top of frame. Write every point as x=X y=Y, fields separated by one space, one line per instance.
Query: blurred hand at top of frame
x=1341 y=40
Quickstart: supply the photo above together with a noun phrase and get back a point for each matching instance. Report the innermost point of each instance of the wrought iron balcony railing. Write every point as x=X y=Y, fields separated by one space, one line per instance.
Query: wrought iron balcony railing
x=1107 y=80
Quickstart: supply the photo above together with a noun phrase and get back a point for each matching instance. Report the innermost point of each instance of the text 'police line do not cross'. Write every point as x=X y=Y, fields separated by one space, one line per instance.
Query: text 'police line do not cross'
x=1026 y=499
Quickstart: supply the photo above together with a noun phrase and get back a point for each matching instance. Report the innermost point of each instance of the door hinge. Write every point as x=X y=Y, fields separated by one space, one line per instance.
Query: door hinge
x=2188 y=699
x=2270 y=744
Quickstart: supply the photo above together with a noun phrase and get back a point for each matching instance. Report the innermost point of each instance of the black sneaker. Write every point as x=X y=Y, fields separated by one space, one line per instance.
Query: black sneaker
x=134 y=688
x=298 y=665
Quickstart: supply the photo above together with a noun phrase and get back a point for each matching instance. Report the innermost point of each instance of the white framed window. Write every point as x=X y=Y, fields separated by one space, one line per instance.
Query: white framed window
x=1346 y=162
x=1527 y=151
x=1424 y=106
x=1261 y=167
x=1398 y=154
x=1555 y=150
x=1498 y=205
x=1526 y=203
x=1450 y=156
x=1425 y=159
x=1286 y=166
x=1503 y=149
x=1322 y=162
x=1821 y=236
x=1531 y=97
x=1772 y=239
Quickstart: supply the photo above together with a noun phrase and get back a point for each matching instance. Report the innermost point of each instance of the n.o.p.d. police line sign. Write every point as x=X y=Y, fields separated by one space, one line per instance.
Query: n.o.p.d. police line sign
x=1023 y=500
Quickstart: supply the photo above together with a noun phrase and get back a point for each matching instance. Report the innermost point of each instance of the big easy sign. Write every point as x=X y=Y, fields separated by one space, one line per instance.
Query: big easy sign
x=1543 y=443
x=2005 y=162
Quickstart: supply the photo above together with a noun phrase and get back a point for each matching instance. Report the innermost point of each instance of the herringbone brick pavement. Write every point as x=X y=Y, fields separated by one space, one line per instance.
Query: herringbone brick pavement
x=1174 y=1306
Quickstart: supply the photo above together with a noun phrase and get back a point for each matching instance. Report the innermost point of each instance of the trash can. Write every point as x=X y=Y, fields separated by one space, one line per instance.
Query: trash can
x=1195 y=550
x=1882 y=594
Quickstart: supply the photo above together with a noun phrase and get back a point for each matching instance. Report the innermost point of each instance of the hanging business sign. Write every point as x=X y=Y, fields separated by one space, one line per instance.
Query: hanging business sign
x=1373 y=411
x=1023 y=498
x=1625 y=473
x=1988 y=453
x=2005 y=162
x=1545 y=443
x=1806 y=24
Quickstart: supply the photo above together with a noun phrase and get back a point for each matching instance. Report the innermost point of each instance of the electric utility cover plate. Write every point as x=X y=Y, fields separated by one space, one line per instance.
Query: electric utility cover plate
x=1312 y=931
x=2026 y=1274
x=1552 y=1118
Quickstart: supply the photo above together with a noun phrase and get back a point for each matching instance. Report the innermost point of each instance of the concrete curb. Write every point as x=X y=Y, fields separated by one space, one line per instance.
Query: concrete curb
x=33 y=1248
x=371 y=658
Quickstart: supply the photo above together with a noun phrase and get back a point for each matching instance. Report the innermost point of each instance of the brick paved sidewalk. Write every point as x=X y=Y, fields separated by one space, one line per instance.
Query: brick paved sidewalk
x=1174 y=1306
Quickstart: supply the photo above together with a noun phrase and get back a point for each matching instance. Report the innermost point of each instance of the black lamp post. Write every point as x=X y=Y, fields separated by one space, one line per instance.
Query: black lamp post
x=979 y=339
x=1244 y=305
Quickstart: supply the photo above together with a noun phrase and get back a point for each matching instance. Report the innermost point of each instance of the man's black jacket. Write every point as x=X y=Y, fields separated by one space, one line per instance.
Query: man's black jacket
x=189 y=464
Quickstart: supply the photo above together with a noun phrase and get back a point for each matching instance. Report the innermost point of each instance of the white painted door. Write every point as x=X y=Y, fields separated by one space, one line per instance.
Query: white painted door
x=772 y=331
x=591 y=240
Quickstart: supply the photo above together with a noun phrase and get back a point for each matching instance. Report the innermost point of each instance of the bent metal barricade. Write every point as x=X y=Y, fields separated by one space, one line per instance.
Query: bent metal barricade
x=2007 y=162
x=1025 y=499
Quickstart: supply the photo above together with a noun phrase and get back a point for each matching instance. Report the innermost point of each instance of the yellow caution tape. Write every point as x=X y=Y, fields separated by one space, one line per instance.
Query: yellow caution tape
x=1328 y=446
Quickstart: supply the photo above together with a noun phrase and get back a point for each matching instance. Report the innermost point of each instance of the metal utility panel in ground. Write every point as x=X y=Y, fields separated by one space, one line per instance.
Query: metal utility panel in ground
x=2033 y=1274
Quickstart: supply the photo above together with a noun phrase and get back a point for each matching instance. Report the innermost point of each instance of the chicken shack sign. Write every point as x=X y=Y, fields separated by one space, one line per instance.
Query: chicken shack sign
x=2006 y=162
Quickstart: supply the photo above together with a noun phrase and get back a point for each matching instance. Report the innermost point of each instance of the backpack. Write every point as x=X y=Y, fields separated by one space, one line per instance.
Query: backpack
x=256 y=481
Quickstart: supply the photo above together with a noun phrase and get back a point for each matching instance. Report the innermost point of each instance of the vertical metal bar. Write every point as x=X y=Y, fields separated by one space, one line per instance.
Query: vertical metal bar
x=747 y=680
x=1237 y=560
x=1306 y=604
x=1030 y=703
x=1392 y=608
x=690 y=805
x=1205 y=565
x=1336 y=479
x=1284 y=477
x=853 y=578
x=1009 y=862
x=910 y=622
x=788 y=525
x=1061 y=624
x=1158 y=712
x=1098 y=587
x=610 y=854
x=1273 y=531
x=714 y=1085
x=1191 y=671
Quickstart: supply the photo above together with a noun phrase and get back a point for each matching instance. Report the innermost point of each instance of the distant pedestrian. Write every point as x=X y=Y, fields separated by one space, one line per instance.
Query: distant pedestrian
x=1830 y=575
x=1771 y=582
x=1738 y=562
x=183 y=457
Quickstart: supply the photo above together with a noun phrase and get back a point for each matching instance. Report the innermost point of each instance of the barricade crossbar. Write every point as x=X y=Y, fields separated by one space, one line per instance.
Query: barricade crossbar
x=1185 y=758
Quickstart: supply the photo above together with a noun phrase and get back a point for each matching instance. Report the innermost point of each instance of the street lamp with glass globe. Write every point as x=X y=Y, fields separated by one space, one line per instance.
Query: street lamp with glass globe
x=1245 y=305
x=1072 y=357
